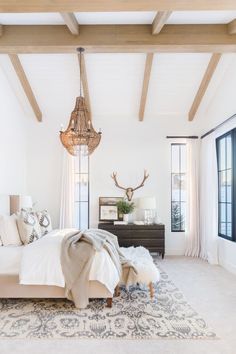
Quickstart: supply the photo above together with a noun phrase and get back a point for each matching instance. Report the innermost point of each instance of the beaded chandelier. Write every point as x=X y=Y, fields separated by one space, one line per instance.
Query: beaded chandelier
x=80 y=133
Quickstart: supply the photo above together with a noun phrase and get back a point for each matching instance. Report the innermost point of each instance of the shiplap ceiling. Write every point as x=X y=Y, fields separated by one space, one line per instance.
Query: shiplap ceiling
x=115 y=80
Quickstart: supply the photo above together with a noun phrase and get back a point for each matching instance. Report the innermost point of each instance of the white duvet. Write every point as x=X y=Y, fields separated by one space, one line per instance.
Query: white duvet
x=40 y=263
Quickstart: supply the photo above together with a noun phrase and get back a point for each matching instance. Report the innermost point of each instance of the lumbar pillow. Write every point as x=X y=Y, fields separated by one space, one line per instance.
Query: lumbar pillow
x=9 y=234
x=28 y=225
x=44 y=221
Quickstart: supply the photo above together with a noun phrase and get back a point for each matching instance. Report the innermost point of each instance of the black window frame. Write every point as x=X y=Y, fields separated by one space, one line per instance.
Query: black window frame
x=231 y=133
x=180 y=201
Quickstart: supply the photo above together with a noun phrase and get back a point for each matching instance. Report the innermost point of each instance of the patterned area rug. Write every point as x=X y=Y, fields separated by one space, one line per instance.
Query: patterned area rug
x=133 y=316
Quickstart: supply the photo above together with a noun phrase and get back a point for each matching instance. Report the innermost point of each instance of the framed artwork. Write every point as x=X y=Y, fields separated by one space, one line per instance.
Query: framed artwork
x=108 y=210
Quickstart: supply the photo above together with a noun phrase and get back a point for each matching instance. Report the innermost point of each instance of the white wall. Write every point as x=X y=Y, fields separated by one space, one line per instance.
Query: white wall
x=222 y=106
x=13 y=126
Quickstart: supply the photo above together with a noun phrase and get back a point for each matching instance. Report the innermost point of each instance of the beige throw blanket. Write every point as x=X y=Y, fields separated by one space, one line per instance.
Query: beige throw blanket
x=77 y=254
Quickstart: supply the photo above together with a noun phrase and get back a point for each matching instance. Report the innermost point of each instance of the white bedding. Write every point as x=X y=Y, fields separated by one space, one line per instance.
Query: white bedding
x=10 y=259
x=40 y=263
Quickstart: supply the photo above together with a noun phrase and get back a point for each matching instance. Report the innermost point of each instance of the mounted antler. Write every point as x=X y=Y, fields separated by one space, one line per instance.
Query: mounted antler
x=130 y=191
x=146 y=175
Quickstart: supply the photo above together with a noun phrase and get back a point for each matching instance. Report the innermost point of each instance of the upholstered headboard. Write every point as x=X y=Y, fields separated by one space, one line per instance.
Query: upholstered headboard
x=10 y=204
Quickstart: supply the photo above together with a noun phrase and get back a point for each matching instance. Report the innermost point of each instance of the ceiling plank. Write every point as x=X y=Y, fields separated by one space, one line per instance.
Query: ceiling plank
x=25 y=85
x=160 y=21
x=114 y=5
x=232 y=27
x=1 y=30
x=215 y=58
x=117 y=39
x=146 y=79
x=71 y=22
x=84 y=81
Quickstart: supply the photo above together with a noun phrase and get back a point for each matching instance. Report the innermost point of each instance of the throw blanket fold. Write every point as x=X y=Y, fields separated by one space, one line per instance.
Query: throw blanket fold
x=77 y=254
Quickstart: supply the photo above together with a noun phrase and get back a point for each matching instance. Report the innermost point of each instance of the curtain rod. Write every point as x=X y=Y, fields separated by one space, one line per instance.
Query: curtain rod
x=182 y=137
x=218 y=126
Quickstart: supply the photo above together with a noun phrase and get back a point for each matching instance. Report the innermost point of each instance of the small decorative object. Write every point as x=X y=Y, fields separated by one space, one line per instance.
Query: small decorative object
x=130 y=191
x=148 y=204
x=125 y=208
x=80 y=133
x=108 y=210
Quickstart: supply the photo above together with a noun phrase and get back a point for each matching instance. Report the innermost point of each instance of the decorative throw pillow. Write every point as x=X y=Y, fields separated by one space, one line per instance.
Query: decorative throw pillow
x=44 y=221
x=8 y=231
x=28 y=225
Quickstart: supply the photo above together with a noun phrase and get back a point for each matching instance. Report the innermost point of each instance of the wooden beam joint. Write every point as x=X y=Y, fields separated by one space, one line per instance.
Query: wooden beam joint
x=232 y=27
x=160 y=21
x=71 y=22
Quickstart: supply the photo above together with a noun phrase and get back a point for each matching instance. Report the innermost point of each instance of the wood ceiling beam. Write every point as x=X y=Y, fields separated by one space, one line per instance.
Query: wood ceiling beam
x=215 y=58
x=232 y=27
x=71 y=22
x=160 y=21
x=1 y=30
x=118 y=39
x=25 y=85
x=84 y=81
x=146 y=79
x=114 y=5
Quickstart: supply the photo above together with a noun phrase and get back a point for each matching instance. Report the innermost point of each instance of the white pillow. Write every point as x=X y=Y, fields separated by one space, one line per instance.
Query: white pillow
x=28 y=226
x=44 y=221
x=8 y=231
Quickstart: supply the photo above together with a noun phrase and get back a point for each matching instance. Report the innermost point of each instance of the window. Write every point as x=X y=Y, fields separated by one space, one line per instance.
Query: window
x=226 y=147
x=81 y=169
x=178 y=187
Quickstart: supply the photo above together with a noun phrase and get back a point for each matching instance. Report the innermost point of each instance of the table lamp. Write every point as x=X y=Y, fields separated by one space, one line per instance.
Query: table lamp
x=148 y=204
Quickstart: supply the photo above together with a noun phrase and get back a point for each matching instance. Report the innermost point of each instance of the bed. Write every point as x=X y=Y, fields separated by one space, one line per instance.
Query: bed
x=11 y=258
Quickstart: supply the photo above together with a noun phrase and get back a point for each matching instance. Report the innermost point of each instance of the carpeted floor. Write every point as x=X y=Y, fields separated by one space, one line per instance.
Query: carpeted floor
x=133 y=316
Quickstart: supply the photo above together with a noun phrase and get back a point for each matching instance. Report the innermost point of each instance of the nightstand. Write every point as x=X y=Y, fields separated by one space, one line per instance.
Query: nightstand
x=151 y=237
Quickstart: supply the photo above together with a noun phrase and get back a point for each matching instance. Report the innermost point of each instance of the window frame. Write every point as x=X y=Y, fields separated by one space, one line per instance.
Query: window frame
x=185 y=173
x=231 y=133
x=77 y=200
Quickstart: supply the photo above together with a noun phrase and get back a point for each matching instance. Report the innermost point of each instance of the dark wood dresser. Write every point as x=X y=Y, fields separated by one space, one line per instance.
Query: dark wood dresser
x=151 y=237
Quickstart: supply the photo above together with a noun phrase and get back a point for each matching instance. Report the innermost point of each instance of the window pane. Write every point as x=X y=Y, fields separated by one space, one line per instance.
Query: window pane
x=175 y=167
x=229 y=151
x=183 y=196
x=77 y=215
x=229 y=185
x=83 y=216
x=176 y=183
x=222 y=154
x=229 y=229
x=222 y=228
x=175 y=217
x=222 y=186
x=229 y=212
x=183 y=159
x=222 y=212
x=183 y=215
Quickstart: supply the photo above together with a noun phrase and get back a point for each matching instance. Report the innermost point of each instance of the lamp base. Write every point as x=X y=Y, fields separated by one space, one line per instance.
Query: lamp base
x=149 y=216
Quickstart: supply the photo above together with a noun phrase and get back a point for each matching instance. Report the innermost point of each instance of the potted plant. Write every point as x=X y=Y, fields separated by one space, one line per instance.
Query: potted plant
x=125 y=208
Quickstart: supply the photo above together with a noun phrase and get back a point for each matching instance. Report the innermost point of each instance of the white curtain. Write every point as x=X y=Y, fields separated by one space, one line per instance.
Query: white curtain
x=209 y=194
x=209 y=200
x=192 y=217
x=67 y=216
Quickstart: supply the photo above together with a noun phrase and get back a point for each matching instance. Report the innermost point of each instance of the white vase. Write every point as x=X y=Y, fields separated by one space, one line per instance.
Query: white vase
x=126 y=217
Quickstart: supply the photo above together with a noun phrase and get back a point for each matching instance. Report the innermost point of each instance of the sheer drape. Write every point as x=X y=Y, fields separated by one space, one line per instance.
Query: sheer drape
x=209 y=200
x=192 y=217
x=67 y=216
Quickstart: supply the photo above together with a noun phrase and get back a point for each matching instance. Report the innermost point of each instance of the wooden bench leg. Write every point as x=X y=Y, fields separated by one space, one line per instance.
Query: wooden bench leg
x=151 y=290
x=109 y=302
x=117 y=291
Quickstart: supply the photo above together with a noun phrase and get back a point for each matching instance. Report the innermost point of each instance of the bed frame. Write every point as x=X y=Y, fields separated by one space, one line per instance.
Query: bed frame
x=9 y=284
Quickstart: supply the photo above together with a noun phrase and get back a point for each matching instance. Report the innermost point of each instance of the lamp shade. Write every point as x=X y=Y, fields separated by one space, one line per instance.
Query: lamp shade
x=147 y=203
x=17 y=202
